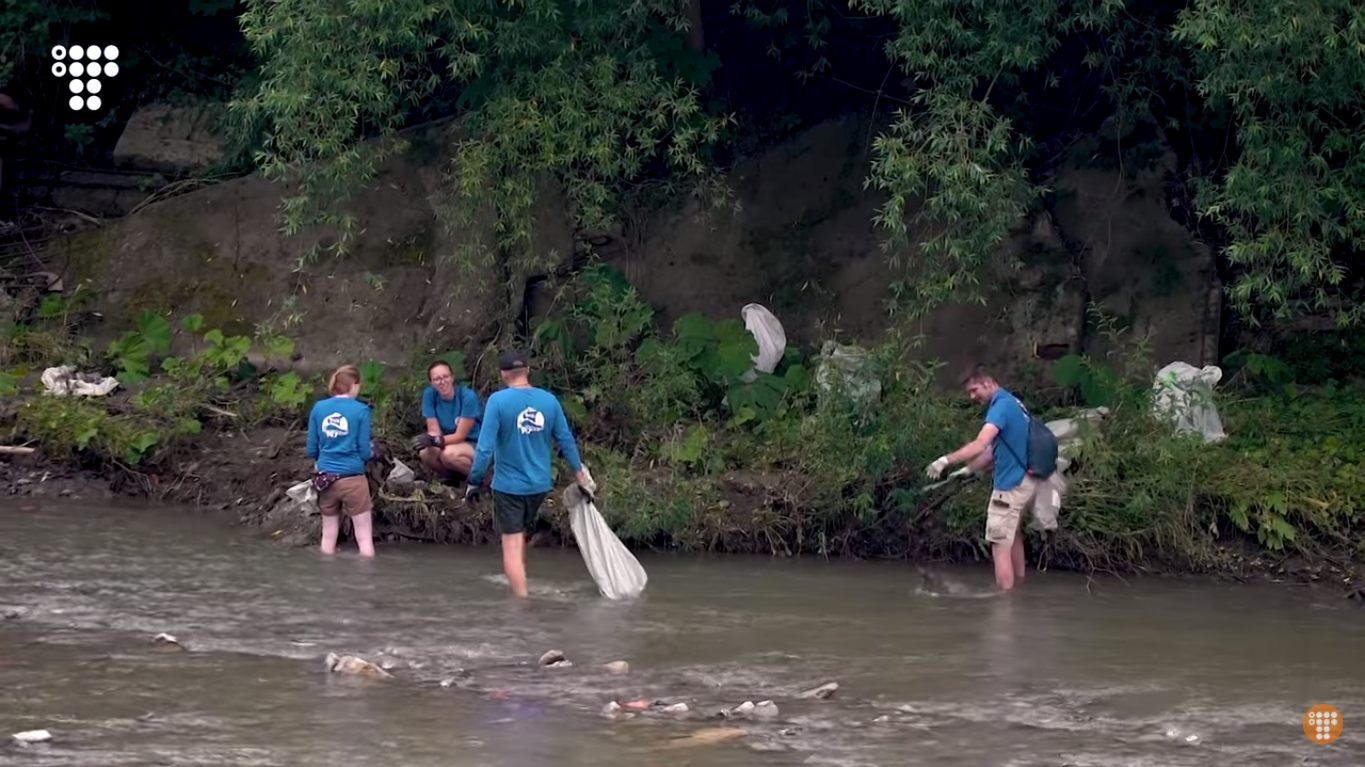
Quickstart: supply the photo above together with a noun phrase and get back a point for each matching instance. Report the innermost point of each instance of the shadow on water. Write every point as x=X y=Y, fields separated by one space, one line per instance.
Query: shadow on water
x=931 y=670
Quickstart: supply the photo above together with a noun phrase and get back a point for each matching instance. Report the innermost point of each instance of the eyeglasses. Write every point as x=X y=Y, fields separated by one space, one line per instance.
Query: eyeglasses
x=440 y=379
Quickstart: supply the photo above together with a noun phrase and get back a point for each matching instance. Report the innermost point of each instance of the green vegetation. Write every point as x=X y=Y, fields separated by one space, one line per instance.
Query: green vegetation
x=613 y=101
x=697 y=458
x=695 y=451
x=144 y=421
x=1258 y=99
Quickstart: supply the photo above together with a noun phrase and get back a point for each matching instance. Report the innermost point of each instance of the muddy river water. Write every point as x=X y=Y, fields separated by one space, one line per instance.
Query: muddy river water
x=1064 y=672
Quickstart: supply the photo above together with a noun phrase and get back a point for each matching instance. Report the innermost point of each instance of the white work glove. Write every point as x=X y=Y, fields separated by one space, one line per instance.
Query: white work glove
x=587 y=485
x=936 y=468
x=962 y=472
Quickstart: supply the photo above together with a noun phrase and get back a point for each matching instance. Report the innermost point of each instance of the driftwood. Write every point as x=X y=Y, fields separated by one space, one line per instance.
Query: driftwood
x=8 y=450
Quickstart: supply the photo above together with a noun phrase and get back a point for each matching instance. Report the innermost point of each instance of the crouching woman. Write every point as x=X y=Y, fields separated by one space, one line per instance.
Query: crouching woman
x=339 y=443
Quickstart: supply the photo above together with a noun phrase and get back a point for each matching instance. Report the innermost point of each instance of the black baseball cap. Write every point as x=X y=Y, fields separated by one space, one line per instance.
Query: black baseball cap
x=513 y=361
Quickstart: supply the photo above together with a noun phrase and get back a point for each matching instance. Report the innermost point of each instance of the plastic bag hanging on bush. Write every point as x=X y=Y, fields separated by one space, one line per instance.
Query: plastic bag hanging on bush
x=613 y=568
x=767 y=331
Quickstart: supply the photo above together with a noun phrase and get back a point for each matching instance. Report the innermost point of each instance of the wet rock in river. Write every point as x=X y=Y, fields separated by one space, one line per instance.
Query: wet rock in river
x=823 y=692
x=617 y=667
x=14 y=612
x=554 y=659
x=349 y=664
x=166 y=643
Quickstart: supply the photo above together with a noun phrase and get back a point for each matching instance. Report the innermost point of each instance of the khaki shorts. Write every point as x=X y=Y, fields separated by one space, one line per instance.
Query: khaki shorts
x=1006 y=508
x=348 y=494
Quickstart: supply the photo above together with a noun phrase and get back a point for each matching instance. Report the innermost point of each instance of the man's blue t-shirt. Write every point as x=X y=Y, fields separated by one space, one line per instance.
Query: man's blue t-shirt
x=1011 y=444
x=518 y=426
x=464 y=404
x=339 y=435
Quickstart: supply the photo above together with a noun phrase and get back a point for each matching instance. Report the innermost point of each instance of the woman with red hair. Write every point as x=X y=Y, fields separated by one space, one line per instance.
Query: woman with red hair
x=339 y=442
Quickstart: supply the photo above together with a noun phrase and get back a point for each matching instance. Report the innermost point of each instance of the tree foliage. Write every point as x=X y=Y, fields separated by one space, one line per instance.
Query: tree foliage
x=598 y=94
x=1293 y=203
x=564 y=91
x=29 y=27
x=1291 y=74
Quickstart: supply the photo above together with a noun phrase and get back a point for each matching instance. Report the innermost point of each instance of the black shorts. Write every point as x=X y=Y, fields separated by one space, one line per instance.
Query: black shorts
x=514 y=514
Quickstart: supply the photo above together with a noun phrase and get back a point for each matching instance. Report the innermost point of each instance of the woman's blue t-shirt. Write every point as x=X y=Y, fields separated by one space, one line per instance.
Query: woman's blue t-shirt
x=465 y=404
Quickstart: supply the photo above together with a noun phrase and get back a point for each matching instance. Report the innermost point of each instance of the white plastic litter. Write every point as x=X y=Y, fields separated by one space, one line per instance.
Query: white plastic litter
x=1184 y=395
x=767 y=331
x=305 y=497
x=616 y=571
x=63 y=381
x=1068 y=434
x=401 y=476
x=1052 y=492
x=31 y=737
x=850 y=362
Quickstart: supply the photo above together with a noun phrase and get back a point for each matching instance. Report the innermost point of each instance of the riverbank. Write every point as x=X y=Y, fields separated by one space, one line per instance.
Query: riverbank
x=244 y=473
x=697 y=451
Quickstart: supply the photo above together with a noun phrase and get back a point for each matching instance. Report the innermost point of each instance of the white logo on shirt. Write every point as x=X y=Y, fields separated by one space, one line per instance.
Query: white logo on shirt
x=335 y=425
x=530 y=421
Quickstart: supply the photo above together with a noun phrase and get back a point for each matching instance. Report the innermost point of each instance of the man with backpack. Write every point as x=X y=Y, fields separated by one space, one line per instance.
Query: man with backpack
x=1024 y=454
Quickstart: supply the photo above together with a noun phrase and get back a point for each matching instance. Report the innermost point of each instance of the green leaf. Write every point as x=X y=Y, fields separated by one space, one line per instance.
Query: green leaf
x=192 y=323
x=1069 y=370
x=279 y=347
x=155 y=332
x=9 y=385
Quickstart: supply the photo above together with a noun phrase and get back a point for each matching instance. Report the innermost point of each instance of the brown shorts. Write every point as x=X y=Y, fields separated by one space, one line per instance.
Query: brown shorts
x=1007 y=508
x=348 y=494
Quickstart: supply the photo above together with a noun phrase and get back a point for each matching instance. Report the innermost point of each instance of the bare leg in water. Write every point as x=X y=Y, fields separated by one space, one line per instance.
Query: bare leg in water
x=363 y=524
x=514 y=562
x=331 y=528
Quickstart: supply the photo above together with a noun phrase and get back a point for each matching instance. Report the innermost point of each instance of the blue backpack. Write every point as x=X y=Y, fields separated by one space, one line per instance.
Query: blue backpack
x=1041 y=462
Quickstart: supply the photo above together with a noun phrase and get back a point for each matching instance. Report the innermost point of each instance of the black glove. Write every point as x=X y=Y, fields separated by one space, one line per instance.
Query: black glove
x=423 y=441
x=473 y=493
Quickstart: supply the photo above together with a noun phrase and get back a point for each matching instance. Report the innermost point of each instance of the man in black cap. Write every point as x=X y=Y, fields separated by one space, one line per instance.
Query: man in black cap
x=519 y=423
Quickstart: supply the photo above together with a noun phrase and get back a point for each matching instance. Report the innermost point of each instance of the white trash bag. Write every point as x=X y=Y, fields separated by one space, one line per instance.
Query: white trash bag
x=767 y=331
x=401 y=477
x=616 y=571
x=305 y=497
x=1184 y=395
x=1047 y=503
x=65 y=381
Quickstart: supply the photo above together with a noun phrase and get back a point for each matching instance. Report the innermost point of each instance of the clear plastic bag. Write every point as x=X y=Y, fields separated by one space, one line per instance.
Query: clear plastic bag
x=1184 y=395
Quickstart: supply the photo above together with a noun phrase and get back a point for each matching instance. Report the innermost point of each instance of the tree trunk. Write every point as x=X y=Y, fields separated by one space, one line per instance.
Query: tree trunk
x=696 y=36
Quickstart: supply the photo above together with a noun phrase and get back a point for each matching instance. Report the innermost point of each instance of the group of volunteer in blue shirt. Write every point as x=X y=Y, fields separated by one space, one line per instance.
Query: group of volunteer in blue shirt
x=504 y=446
x=514 y=434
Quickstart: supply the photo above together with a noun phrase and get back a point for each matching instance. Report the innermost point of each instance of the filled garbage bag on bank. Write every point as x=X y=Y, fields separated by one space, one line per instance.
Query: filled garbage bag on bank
x=613 y=568
x=1184 y=395
x=843 y=368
